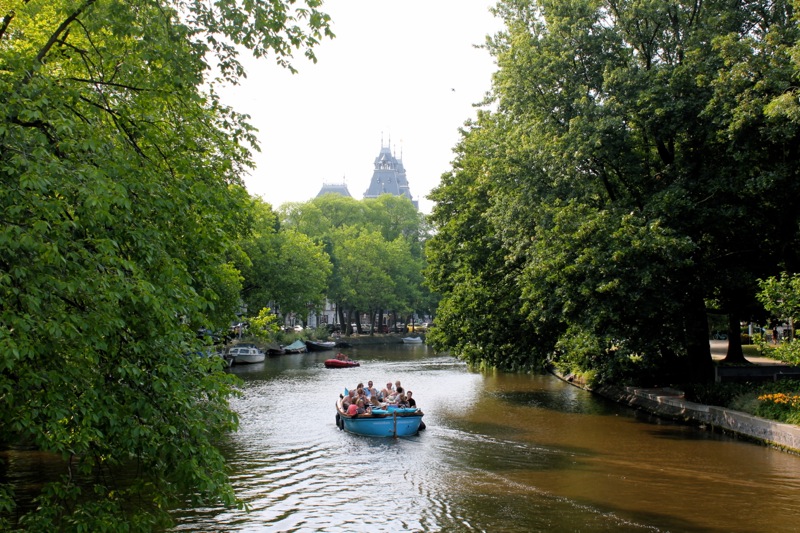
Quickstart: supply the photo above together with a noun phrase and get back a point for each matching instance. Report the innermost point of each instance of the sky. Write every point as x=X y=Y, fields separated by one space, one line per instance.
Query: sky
x=400 y=73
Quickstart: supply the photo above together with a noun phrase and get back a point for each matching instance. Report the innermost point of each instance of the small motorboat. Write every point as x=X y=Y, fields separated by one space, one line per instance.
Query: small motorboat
x=341 y=363
x=412 y=340
x=391 y=422
x=246 y=354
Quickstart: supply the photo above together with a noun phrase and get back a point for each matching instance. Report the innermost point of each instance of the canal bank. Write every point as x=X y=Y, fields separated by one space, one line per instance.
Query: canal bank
x=670 y=403
x=377 y=338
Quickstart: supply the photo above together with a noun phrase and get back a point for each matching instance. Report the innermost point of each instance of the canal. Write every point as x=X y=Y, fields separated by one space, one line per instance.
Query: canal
x=501 y=453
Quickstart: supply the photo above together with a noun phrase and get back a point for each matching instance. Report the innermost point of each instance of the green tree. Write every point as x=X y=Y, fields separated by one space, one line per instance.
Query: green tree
x=120 y=197
x=375 y=247
x=781 y=297
x=303 y=270
x=631 y=153
x=282 y=267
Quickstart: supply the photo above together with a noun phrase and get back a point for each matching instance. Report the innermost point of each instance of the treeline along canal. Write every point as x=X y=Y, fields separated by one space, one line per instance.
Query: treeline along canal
x=501 y=453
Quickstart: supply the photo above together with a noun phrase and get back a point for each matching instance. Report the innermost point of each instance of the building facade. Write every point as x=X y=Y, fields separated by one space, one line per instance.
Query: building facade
x=389 y=177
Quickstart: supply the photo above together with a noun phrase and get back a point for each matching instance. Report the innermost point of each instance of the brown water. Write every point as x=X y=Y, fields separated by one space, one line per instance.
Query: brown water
x=501 y=453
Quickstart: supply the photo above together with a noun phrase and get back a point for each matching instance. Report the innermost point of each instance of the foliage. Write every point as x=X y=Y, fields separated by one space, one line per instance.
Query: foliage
x=775 y=400
x=478 y=315
x=720 y=394
x=265 y=324
x=781 y=295
x=628 y=172
x=780 y=406
x=282 y=267
x=121 y=199
x=375 y=247
x=786 y=351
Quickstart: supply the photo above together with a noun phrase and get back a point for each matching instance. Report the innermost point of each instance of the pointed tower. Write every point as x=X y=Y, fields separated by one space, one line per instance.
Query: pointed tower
x=389 y=176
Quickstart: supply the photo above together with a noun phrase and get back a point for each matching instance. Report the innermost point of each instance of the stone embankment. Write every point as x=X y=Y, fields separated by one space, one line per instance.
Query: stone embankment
x=670 y=403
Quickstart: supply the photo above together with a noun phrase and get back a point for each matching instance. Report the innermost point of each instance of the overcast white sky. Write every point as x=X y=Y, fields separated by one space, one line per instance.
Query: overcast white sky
x=404 y=70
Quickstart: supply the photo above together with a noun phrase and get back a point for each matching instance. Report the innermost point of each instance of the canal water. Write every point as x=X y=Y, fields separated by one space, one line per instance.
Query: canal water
x=501 y=453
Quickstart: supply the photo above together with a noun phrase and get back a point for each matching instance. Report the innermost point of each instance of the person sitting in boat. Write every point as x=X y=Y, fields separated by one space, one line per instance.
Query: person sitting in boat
x=386 y=392
x=351 y=396
x=402 y=401
x=342 y=357
x=395 y=396
x=357 y=408
x=375 y=403
x=362 y=395
x=370 y=389
x=411 y=401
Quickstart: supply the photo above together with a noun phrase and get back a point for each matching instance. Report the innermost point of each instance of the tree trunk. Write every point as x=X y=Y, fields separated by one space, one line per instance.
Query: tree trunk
x=701 y=365
x=735 y=354
x=342 y=323
x=380 y=321
x=371 y=322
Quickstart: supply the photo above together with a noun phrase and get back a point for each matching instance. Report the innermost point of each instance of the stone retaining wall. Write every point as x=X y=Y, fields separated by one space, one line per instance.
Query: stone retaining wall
x=669 y=403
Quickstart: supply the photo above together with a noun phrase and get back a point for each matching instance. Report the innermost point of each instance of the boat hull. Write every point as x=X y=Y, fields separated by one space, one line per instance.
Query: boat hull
x=250 y=359
x=246 y=354
x=336 y=363
x=320 y=346
x=394 y=424
x=412 y=340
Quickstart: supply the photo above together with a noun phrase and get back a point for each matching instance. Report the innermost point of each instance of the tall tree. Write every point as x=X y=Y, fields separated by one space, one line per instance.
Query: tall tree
x=120 y=196
x=282 y=268
x=636 y=172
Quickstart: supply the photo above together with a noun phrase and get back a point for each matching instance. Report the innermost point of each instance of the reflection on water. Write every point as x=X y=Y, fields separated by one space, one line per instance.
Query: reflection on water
x=502 y=453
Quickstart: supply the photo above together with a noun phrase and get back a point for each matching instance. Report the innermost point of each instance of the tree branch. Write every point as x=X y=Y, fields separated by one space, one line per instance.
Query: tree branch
x=61 y=28
x=5 y=23
x=108 y=83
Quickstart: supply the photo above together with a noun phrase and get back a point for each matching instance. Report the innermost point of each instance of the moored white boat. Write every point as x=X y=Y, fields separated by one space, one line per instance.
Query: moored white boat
x=246 y=354
x=412 y=340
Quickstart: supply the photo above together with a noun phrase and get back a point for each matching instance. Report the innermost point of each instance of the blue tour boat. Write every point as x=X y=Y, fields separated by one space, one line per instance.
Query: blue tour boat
x=392 y=422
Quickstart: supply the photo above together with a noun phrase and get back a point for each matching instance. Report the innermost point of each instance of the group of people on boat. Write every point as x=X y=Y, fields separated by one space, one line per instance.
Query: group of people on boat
x=362 y=400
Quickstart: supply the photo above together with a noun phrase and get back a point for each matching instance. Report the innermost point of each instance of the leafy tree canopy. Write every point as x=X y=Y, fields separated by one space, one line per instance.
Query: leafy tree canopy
x=120 y=199
x=375 y=247
x=641 y=158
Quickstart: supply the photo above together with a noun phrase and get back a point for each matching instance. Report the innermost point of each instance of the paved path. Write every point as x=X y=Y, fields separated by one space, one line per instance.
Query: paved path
x=720 y=348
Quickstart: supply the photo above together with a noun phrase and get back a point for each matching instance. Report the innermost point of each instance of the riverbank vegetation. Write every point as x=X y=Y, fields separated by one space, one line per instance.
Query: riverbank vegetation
x=774 y=400
x=635 y=167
